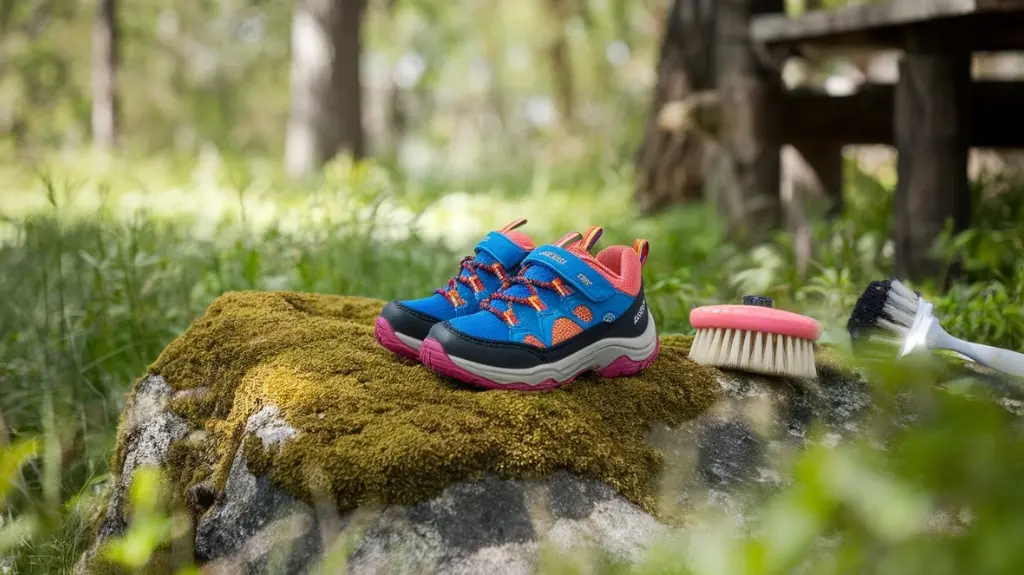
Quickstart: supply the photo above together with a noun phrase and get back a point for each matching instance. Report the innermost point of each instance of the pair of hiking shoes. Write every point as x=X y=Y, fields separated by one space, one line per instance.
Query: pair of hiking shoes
x=526 y=317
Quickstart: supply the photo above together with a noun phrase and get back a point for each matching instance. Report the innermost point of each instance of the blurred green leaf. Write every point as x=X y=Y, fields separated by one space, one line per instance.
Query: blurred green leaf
x=12 y=458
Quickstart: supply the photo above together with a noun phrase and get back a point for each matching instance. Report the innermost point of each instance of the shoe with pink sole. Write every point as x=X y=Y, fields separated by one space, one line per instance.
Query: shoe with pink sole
x=403 y=324
x=566 y=313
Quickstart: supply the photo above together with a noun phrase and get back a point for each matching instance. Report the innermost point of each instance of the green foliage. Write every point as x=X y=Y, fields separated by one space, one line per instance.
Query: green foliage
x=942 y=496
x=151 y=527
x=196 y=75
x=106 y=260
x=104 y=264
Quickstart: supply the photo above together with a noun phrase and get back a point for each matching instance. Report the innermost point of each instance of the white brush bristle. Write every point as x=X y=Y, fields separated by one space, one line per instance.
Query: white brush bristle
x=754 y=352
x=901 y=306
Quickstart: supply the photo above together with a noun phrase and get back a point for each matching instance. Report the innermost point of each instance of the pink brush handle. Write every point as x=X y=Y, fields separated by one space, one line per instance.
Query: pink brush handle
x=754 y=318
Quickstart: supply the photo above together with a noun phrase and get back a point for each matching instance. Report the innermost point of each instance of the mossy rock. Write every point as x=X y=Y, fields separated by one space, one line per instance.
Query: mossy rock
x=272 y=405
x=377 y=428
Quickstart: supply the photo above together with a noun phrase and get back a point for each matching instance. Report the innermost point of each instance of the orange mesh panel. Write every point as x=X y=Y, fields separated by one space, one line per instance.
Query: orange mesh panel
x=563 y=329
x=533 y=341
x=583 y=312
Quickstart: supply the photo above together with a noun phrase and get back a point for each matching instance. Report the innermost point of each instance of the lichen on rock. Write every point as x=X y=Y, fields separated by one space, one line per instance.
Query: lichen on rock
x=374 y=428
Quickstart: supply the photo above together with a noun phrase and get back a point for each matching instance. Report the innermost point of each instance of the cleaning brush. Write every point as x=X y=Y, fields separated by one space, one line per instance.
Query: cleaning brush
x=755 y=338
x=890 y=311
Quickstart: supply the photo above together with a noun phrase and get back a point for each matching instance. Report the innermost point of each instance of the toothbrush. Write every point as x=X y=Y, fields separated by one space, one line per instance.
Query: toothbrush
x=891 y=305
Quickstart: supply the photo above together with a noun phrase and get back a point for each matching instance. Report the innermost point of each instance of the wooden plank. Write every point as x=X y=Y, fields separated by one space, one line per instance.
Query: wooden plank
x=932 y=123
x=867 y=116
x=878 y=23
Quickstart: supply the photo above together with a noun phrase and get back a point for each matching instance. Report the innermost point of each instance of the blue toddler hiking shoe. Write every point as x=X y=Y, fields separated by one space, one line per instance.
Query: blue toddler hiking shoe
x=565 y=313
x=402 y=325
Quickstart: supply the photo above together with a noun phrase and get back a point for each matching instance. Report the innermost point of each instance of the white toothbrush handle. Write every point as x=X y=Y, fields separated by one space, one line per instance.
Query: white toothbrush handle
x=1003 y=360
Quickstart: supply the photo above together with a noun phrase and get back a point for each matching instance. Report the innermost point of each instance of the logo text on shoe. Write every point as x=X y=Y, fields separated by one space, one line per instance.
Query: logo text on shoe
x=609 y=317
x=553 y=256
x=640 y=312
x=584 y=279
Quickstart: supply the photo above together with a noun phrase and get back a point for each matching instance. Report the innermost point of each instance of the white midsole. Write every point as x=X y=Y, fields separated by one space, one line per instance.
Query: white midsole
x=410 y=341
x=595 y=356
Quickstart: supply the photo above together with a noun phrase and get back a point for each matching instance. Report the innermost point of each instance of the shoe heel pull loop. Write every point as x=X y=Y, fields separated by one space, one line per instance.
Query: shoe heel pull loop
x=642 y=247
x=568 y=239
x=591 y=236
x=513 y=225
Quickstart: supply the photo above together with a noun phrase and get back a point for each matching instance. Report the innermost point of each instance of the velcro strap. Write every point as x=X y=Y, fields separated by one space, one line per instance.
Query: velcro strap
x=573 y=271
x=503 y=250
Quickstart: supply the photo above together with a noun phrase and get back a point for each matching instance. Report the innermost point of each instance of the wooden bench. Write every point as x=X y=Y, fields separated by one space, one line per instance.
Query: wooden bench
x=933 y=114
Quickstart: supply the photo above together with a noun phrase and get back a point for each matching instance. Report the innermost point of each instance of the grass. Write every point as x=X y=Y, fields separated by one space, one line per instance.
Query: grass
x=101 y=268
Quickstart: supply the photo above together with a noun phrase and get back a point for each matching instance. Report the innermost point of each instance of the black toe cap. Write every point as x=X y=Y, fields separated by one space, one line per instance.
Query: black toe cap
x=507 y=355
x=408 y=321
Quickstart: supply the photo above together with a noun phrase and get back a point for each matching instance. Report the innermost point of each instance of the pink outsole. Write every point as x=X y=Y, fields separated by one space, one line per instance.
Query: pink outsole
x=386 y=336
x=434 y=357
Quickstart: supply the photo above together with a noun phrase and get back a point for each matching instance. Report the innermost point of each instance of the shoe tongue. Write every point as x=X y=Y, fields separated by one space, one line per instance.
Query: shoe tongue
x=521 y=239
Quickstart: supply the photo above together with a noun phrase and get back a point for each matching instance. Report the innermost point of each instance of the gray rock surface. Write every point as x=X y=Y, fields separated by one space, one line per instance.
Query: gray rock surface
x=739 y=446
x=491 y=526
x=148 y=430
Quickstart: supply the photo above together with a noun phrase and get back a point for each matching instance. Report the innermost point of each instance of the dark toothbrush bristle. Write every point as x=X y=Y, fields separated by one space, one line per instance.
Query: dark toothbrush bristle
x=869 y=308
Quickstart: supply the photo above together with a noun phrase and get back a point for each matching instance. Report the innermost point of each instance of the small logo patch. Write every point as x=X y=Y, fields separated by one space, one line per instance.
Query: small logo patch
x=553 y=256
x=584 y=279
x=609 y=317
x=640 y=312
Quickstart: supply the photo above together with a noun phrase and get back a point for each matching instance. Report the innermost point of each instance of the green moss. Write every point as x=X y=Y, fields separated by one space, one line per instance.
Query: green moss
x=832 y=364
x=377 y=428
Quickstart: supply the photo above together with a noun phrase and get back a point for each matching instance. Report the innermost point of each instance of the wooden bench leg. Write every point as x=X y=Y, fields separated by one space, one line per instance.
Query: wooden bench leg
x=825 y=160
x=932 y=129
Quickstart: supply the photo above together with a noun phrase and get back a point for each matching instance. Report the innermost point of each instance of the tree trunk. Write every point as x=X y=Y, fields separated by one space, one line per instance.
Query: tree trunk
x=668 y=161
x=326 y=112
x=397 y=117
x=751 y=92
x=560 y=61
x=104 y=74
x=932 y=125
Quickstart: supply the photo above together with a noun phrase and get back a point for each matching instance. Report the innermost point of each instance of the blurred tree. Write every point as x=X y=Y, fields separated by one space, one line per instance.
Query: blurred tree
x=560 y=60
x=37 y=74
x=326 y=109
x=104 y=74
x=397 y=116
x=668 y=162
x=751 y=89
